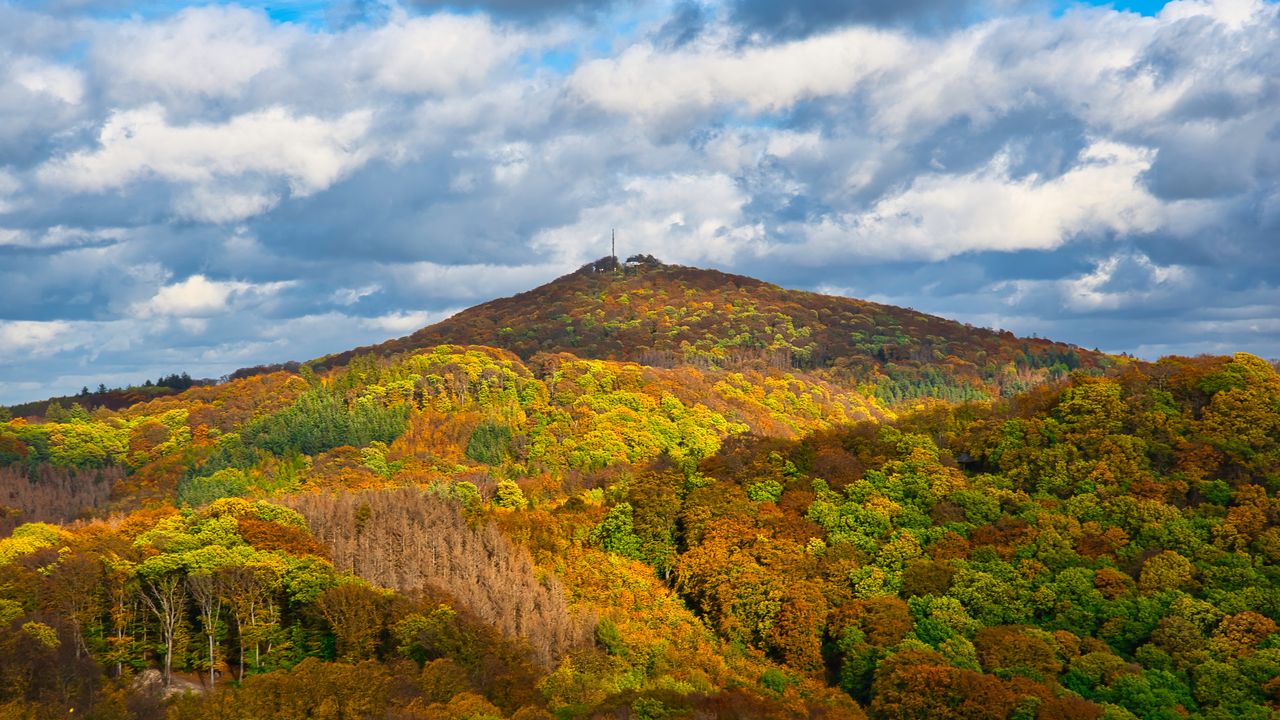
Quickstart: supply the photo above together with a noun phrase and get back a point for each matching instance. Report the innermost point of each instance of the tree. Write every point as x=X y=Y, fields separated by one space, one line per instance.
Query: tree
x=355 y=613
x=509 y=495
x=920 y=685
x=73 y=586
x=1018 y=650
x=489 y=443
x=207 y=593
x=1241 y=633
x=122 y=589
x=1165 y=571
x=249 y=588
x=616 y=534
x=164 y=594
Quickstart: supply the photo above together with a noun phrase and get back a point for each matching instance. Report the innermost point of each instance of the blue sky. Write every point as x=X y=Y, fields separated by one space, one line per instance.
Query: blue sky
x=1145 y=7
x=1142 y=7
x=202 y=187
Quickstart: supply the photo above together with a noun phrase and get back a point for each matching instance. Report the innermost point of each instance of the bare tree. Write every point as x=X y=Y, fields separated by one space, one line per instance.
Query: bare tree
x=205 y=589
x=50 y=494
x=412 y=540
x=166 y=598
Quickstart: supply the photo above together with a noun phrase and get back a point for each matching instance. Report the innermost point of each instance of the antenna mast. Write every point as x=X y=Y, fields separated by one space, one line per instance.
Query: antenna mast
x=613 y=244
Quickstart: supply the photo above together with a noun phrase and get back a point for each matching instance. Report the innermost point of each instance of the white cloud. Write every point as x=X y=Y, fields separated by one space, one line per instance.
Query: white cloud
x=332 y=329
x=60 y=236
x=37 y=340
x=212 y=51
x=403 y=322
x=680 y=218
x=648 y=82
x=10 y=186
x=308 y=152
x=1123 y=281
x=939 y=216
x=199 y=297
x=510 y=163
x=441 y=53
x=60 y=82
x=438 y=280
x=1266 y=325
x=193 y=326
x=35 y=337
x=351 y=296
x=223 y=205
x=1232 y=13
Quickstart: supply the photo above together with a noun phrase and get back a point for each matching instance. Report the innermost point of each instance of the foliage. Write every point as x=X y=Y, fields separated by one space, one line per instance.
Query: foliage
x=321 y=420
x=738 y=535
x=490 y=443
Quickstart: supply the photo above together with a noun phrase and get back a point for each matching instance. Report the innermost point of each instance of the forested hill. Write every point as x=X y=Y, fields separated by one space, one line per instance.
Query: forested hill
x=668 y=315
x=459 y=533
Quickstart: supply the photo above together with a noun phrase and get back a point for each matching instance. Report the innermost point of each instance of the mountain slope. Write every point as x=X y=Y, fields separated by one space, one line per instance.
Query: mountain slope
x=586 y=538
x=668 y=315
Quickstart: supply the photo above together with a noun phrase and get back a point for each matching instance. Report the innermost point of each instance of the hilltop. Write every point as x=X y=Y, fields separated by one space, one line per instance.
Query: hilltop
x=667 y=315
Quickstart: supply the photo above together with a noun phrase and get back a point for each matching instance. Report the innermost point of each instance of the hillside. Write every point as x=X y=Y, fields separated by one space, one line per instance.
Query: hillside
x=666 y=315
x=383 y=458
x=469 y=531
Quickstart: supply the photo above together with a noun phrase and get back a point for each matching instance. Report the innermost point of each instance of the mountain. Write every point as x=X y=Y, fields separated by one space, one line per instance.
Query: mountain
x=667 y=315
x=729 y=528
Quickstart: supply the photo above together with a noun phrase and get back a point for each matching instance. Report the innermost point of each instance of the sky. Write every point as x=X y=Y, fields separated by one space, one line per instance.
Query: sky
x=202 y=187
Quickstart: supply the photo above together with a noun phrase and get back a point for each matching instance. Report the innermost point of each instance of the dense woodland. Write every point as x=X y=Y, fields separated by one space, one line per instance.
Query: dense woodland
x=464 y=531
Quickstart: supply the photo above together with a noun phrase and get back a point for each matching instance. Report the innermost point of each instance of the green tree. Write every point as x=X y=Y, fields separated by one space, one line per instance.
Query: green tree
x=509 y=495
x=616 y=532
x=490 y=443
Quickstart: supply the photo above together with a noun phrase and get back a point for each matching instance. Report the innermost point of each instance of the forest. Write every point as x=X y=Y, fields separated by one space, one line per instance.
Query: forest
x=564 y=523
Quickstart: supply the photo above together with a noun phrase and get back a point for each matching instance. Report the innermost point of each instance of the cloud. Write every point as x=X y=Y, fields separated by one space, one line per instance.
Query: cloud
x=437 y=54
x=531 y=10
x=223 y=204
x=198 y=297
x=211 y=51
x=19 y=336
x=10 y=187
x=1232 y=13
x=1127 y=280
x=449 y=283
x=805 y=17
x=1124 y=281
x=351 y=296
x=684 y=218
x=202 y=188
x=307 y=152
x=403 y=322
x=60 y=236
x=940 y=215
x=649 y=82
x=62 y=83
x=688 y=20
